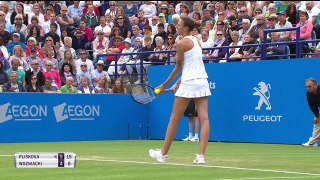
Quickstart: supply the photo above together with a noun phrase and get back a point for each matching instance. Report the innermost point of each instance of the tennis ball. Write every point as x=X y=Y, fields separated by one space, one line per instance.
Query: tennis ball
x=157 y=91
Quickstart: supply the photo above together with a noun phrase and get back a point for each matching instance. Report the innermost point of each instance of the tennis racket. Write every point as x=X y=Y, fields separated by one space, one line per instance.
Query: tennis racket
x=144 y=94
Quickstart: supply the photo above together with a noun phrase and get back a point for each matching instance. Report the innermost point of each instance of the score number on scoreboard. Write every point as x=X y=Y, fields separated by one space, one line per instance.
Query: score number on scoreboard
x=45 y=160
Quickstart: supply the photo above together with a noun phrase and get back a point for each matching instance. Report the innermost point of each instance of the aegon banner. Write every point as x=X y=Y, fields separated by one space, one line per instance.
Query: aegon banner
x=30 y=117
x=261 y=101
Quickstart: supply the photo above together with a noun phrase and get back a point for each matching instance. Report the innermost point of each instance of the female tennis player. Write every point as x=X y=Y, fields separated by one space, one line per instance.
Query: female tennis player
x=193 y=83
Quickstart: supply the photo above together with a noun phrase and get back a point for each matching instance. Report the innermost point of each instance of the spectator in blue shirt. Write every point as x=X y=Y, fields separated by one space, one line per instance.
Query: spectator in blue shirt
x=16 y=41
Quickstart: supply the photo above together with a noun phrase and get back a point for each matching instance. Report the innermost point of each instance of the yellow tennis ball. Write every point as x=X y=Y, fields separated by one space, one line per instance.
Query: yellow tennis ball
x=157 y=91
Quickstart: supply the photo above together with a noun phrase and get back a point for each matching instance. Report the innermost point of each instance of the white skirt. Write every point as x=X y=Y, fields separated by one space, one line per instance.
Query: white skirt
x=193 y=88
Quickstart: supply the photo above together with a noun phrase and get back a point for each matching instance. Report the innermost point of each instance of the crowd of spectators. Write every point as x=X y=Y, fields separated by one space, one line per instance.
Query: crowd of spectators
x=56 y=46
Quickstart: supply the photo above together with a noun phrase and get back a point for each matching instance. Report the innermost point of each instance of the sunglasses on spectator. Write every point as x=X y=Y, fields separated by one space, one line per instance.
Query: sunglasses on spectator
x=219 y=24
x=112 y=4
x=18 y=19
x=48 y=39
x=35 y=64
x=220 y=14
x=154 y=19
x=48 y=64
x=33 y=78
x=82 y=53
x=120 y=18
x=34 y=19
x=219 y=34
x=1 y=14
x=83 y=65
x=242 y=11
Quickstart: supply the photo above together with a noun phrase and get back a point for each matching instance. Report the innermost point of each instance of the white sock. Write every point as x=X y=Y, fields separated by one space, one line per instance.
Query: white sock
x=190 y=135
x=196 y=136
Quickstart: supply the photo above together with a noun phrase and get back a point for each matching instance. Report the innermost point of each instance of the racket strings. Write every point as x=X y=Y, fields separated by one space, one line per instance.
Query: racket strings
x=142 y=94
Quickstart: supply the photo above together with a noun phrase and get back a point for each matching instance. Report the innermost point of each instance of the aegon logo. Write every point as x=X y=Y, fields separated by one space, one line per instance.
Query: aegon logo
x=22 y=112
x=264 y=93
x=76 y=112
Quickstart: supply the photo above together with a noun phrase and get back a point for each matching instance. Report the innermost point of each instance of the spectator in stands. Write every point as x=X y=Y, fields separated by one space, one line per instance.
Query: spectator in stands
x=79 y=41
x=162 y=33
x=33 y=85
x=91 y=19
x=8 y=25
x=34 y=32
x=112 y=10
x=75 y=11
x=36 y=12
x=218 y=7
x=230 y=7
x=312 y=12
x=135 y=22
x=177 y=8
x=65 y=21
x=273 y=20
x=49 y=44
x=49 y=71
x=131 y=64
x=83 y=71
x=4 y=7
x=231 y=26
x=53 y=34
x=19 y=10
x=207 y=17
x=68 y=58
x=165 y=10
x=32 y=42
x=116 y=48
x=47 y=14
x=118 y=87
x=135 y=34
x=33 y=55
x=99 y=45
x=67 y=46
x=69 y=86
x=66 y=71
x=6 y=36
x=102 y=86
x=283 y=23
x=260 y=25
x=13 y=85
x=219 y=53
x=50 y=57
x=154 y=25
x=149 y=9
x=114 y=32
x=162 y=19
x=196 y=33
x=4 y=78
x=84 y=86
x=171 y=46
x=144 y=57
x=103 y=27
x=124 y=29
x=184 y=9
x=15 y=67
x=16 y=41
x=158 y=58
x=46 y=27
x=219 y=26
x=171 y=12
x=272 y=9
x=292 y=14
x=48 y=87
x=126 y=20
x=18 y=25
x=247 y=51
x=234 y=52
x=95 y=9
x=109 y=21
x=34 y=22
x=306 y=28
x=35 y=70
x=4 y=55
x=19 y=54
x=142 y=19
x=130 y=9
x=197 y=18
x=205 y=42
x=274 y=50
x=123 y=59
x=172 y=30
x=196 y=7
x=83 y=59
x=98 y=73
x=243 y=14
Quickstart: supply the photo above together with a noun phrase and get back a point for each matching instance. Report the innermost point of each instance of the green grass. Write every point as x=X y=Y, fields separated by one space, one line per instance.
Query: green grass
x=130 y=160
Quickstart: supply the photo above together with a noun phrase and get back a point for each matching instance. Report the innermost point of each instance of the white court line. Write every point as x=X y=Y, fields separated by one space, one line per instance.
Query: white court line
x=207 y=166
x=304 y=177
x=3 y=155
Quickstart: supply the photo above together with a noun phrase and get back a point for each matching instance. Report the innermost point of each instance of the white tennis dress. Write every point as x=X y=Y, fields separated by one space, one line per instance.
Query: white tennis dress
x=194 y=78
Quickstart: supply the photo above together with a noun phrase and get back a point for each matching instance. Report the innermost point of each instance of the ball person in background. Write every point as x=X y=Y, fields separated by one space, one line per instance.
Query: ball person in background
x=313 y=97
x=192 y=84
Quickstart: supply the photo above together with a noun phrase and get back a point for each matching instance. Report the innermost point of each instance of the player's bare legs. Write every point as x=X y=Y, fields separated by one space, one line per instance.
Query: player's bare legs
x=202 y=108
x=179 y=106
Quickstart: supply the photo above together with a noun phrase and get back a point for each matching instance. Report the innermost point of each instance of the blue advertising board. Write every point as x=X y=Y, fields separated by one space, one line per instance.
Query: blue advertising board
x=261 y=101
x=32 y=117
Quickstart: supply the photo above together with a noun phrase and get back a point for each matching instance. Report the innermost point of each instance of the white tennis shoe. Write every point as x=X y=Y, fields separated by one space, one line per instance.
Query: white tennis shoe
x=199 y=159
x=156 y=154
x=187 y=138
x=194 y=139
x=307 y=144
